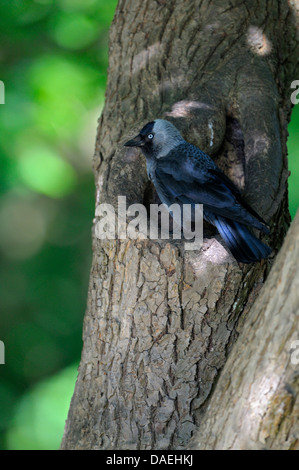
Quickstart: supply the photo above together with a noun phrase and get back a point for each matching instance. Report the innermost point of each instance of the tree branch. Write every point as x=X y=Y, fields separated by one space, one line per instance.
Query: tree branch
x=160 y=322
x=256 y=401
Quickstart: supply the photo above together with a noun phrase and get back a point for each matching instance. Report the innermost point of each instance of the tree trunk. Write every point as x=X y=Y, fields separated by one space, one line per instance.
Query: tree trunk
x=256 y=401
x=161 y=321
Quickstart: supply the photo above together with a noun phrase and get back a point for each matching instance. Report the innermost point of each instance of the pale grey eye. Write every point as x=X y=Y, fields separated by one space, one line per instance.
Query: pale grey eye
x=150 y=136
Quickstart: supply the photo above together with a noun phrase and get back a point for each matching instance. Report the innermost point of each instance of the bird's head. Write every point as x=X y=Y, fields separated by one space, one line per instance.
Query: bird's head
x=157 y=138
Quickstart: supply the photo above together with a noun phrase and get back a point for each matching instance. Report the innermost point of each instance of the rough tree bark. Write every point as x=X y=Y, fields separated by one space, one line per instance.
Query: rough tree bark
x=160 y=322
x=256 y=402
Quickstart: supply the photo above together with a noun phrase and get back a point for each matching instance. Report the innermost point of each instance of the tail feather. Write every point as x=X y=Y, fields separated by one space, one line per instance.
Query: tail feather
x=244 y=246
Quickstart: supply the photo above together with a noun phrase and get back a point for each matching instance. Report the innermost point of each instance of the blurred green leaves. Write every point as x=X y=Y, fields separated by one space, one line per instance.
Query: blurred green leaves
x=45 y=172
x=53 y=62
x=74 y=30
x=40 y=415
x=64 y=96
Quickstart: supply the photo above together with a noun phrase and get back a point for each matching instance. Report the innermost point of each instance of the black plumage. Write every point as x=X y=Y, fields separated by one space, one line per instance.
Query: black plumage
x=183 y=174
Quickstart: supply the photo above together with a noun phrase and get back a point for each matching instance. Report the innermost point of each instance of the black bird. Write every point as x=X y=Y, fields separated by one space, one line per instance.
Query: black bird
x=183 y=174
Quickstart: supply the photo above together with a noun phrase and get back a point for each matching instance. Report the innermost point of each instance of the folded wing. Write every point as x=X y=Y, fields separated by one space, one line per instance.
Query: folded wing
x=190 y=183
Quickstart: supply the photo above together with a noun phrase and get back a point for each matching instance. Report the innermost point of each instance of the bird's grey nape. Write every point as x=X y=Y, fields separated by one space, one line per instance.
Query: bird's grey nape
x=167 y=136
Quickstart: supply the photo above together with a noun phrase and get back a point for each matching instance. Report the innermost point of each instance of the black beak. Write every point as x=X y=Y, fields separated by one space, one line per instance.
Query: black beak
x=136 y=142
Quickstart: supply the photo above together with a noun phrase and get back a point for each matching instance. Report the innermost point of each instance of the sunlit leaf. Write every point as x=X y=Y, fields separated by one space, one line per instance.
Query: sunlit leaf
x=74 y=30
x=43 y=171
x=40 y=415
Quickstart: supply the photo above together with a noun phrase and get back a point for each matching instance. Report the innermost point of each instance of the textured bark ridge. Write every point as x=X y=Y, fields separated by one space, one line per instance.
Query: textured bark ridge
x=160 y=321
x=257 y=397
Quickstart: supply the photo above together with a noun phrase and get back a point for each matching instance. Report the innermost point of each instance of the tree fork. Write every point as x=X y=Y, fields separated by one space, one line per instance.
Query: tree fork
x=256 y=401
x=160 y=322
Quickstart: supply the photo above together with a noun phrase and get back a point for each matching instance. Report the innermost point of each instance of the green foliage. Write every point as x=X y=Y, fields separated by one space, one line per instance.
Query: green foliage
x=53 y=62
x=41 y=413
x=53 y=59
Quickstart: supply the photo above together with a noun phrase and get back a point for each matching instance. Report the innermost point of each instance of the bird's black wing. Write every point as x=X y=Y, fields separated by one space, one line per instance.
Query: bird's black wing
x=218 y=175
x=186 y=182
